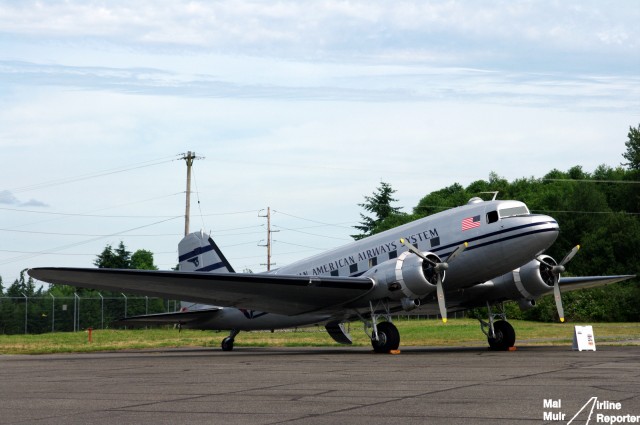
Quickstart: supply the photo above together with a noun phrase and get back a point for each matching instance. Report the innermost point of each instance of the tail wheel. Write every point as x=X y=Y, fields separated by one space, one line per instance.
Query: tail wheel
x=388 y=338
x=227 y=344
x=505 y=336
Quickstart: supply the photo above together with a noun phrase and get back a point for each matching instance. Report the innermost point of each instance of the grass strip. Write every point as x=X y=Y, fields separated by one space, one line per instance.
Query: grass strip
x=434 y=333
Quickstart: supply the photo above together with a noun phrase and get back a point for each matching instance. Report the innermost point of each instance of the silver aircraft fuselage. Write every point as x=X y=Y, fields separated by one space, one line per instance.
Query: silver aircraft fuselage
x=498 y=242
x=501 y=236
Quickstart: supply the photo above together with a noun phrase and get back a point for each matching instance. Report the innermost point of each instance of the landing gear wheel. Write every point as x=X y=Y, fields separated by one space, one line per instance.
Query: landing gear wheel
x=388 y=338
x=505 y=336
x=227 y=344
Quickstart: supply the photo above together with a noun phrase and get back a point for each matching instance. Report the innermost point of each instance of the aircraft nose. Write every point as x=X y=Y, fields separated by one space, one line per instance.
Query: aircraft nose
x=548 y=226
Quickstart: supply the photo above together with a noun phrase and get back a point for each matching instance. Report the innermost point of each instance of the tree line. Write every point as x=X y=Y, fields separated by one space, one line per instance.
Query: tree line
x=65 y=308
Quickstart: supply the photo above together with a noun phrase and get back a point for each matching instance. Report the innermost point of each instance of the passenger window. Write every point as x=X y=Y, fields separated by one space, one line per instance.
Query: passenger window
x=492 y=216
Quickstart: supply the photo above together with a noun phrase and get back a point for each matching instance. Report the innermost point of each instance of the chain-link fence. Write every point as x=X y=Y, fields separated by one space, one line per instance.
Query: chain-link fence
x=42 y=314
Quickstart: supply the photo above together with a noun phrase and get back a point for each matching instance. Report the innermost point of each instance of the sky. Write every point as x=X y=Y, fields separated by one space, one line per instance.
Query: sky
x=303 y=107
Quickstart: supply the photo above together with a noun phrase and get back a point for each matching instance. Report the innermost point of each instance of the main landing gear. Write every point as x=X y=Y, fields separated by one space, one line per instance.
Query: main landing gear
x=227 y=343
x=500 y=333
x=384 y=335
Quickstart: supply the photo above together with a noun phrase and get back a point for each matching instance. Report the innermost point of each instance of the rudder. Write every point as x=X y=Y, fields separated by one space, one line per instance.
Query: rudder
x=197 y=252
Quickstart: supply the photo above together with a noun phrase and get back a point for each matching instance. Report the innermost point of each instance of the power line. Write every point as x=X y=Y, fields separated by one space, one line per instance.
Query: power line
x=594 y=181
x=116 y=216
x=314 y=234
x=312 y=221
x=301 y=246
x=588 y=212
x=63 y=247
x=69 y=253
x=103 y=173
x=83 y=215
x=138 y=235
x=83 y=234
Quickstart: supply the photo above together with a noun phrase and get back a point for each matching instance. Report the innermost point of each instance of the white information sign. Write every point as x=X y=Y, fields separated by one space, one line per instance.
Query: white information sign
x=583 y=339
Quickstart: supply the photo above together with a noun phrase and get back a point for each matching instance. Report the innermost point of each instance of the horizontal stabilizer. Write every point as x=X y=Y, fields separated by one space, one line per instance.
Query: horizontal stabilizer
x=178 y=317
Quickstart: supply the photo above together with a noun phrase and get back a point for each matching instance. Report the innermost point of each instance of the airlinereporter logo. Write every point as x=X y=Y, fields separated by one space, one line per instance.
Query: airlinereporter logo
x=594 y=411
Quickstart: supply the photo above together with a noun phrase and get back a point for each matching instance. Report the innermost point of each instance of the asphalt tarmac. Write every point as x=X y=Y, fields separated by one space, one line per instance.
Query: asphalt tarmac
x=322 y=386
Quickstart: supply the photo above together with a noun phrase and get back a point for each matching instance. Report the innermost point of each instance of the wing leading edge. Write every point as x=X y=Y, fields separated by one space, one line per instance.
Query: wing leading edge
x=583 y=282
x=281 y=294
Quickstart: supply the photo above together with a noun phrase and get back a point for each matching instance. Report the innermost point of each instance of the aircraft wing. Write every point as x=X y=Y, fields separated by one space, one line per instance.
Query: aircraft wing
x=179 y=317
x=281 y=294
x=583 y=282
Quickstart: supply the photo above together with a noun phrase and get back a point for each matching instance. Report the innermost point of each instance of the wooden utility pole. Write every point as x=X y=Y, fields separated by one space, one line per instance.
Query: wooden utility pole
x=188 y=157
x=269 y=232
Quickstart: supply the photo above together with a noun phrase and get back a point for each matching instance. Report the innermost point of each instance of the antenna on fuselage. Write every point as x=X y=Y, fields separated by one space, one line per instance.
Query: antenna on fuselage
x=495 y=194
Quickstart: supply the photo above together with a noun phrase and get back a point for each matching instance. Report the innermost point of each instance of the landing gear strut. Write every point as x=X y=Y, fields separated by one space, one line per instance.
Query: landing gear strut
x=227 y=343
x=384 y=335
x=500 y=334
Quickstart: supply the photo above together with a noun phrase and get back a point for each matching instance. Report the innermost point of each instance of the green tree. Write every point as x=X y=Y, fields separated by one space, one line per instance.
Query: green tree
x=114 y=259
x=633 y=148
x=142 y=260
x=22 y=286
x=443 y=199
x=379 y=203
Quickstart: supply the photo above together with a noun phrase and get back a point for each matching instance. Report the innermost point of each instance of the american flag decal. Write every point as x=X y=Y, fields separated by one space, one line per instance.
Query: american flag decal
x=470 y=223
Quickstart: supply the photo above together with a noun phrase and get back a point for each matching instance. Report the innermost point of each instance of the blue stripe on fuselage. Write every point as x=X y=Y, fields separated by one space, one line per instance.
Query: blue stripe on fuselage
x=488 y=235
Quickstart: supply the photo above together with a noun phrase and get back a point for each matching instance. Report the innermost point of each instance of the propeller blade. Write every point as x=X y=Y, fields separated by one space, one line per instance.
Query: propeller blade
x=441 y=302
x=558 y=297
x=570 y=255
x=556 y=270
x=413 y=249
x=459 y=250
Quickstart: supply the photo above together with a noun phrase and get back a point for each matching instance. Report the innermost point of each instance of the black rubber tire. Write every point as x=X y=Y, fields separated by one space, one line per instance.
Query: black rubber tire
x=505 y=336
x=227 y=344
x=389 y=338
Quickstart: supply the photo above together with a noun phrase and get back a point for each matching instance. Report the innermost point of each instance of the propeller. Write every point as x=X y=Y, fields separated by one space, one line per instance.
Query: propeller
x=439 y=268
x=555 y=270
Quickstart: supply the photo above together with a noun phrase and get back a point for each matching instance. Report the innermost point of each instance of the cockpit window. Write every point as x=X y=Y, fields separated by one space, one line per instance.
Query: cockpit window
x=492 y=217
x=513 y=211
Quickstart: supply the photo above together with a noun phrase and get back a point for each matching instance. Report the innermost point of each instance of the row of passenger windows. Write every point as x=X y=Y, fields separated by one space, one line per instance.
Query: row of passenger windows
x=353 y=268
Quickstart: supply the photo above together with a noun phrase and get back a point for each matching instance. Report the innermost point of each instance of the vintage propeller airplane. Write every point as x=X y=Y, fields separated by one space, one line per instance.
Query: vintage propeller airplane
x=479 y=254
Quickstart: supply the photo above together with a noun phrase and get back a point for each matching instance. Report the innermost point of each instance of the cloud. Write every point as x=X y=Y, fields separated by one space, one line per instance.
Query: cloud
x=336 y=29
x=357 y=83
x=33 y=203
x=8 y=198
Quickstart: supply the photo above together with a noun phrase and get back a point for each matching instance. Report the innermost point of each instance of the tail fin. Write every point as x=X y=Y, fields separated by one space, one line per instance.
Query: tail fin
x=198 y=252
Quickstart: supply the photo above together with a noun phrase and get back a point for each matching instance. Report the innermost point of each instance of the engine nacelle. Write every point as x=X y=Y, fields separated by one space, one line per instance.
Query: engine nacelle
x=529 y=282
x=407 y=276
